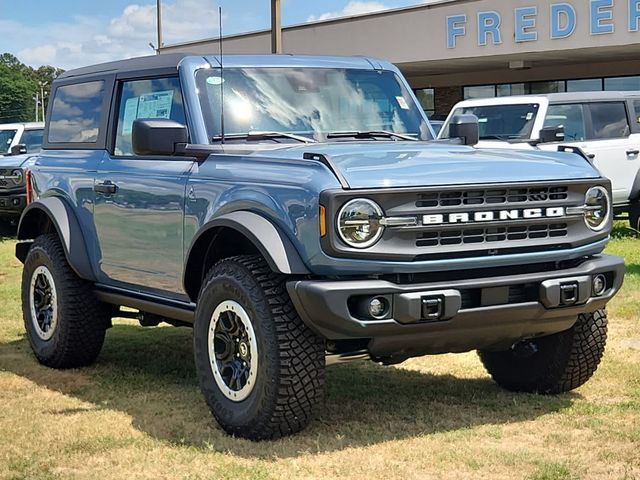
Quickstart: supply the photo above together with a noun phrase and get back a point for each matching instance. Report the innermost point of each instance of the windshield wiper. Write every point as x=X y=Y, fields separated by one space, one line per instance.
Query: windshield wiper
x=371 y=134
x=264 y=136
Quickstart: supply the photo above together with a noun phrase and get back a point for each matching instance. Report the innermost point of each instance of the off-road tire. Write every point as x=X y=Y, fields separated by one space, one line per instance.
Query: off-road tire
x=82 y=319
x=291 y=358
x=557 y=363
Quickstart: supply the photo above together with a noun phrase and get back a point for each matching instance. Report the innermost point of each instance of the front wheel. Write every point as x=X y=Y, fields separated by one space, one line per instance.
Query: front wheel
x=553 y=364
x=260 y=368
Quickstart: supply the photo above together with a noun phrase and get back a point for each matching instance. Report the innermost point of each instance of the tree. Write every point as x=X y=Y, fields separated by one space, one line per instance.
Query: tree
x=19 y=84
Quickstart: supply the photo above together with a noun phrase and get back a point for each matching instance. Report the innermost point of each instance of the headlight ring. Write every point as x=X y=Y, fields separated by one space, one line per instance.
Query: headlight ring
x=358 y=223
x=597 y=206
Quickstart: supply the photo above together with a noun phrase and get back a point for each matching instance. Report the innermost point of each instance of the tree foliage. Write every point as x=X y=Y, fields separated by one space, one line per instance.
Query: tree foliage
x=19 y=84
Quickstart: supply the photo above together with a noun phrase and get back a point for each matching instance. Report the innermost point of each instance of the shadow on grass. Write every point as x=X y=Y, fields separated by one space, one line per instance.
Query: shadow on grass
x=149 y=375
x=7 y=231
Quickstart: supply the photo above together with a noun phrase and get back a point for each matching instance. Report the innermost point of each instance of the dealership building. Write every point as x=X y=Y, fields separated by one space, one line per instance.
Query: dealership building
x=455 y=49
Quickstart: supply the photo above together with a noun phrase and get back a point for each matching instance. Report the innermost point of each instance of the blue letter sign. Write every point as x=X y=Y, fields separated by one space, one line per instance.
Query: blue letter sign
x=634 y=15
x=601 y=11
x=563 y=20
x=455 y=28
x=525 y=22
x=489 y=23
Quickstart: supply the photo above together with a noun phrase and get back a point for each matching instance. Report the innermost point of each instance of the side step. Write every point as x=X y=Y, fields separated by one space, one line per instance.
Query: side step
x=175 y=309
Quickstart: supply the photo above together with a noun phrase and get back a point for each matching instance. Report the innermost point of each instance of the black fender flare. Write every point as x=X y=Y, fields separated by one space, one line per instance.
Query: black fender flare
x=67 y=227
x=270 y=241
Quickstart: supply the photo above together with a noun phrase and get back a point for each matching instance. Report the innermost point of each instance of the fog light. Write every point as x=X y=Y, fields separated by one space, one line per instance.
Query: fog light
x=378 y=307
x=599 y=284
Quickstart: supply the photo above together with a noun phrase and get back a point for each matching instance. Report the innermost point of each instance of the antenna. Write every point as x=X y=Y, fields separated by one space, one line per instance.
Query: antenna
x=221 y=78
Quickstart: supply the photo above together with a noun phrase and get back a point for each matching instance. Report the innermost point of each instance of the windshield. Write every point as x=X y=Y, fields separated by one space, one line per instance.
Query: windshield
x=33 y=140
x=309 y=102
x=6 y=137
x=502 y=122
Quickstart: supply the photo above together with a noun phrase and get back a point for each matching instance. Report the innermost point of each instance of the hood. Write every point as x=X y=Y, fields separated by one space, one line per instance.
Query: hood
x=16 y=161
x=409 y=164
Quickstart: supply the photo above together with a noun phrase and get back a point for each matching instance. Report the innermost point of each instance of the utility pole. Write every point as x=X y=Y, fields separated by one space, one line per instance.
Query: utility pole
x=159 y=24
x=36 y=98
x=276 y=27
x=42 y=85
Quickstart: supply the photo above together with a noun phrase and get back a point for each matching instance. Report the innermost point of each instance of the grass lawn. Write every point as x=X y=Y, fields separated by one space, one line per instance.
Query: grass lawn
x=137 y=413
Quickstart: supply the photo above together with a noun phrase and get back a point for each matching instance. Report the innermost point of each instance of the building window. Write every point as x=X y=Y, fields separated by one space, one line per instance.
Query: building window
x=622 y=83
x=426 y=97
x=509 y=89
x=547 y=87
x=585 y=85
x=479 y=91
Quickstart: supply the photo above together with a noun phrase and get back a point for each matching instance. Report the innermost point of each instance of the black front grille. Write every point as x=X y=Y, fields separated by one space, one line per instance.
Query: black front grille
x=497 y=196
x=491 y=234
x=3 y=182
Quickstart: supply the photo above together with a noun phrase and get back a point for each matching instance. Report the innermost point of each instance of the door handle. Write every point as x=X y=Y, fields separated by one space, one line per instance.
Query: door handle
x=107 y=187
x=632 y=152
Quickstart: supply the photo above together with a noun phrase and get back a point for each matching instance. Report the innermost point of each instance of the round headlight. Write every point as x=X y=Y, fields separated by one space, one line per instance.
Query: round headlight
x=597 y=208
x=359 y=223
x=17 y=176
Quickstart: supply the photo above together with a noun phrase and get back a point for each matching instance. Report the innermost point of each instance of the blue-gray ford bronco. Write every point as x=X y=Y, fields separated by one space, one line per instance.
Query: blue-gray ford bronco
x=296 y=212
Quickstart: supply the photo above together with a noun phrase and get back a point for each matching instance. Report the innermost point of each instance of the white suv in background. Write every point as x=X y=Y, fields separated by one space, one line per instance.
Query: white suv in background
x=605 y=125
x=22 y=137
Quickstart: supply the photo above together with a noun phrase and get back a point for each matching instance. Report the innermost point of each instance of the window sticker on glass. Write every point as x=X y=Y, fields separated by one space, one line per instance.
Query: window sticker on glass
x=529 y=116
x=155 y=105
x=214 y=80
x=403 y=103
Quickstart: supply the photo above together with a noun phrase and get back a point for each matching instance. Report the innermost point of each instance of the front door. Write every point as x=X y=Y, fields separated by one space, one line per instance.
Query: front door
x=139 y=209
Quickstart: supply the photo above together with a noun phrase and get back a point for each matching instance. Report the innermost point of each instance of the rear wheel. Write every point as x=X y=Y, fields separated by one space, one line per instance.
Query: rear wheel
x=552 y=364
x=260 y=368
x=64 y=321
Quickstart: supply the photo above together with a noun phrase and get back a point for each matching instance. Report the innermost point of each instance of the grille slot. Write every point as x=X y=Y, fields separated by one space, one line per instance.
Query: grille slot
x=497 y=196
x=465 y=236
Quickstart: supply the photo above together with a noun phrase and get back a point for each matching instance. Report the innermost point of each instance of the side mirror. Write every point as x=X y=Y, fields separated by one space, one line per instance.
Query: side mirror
x=552 y=134
x=157 y=136
x=19 y=149
x=465 y=127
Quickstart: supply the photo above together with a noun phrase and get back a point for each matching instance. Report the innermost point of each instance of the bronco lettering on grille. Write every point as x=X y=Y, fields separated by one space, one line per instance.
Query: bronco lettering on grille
x=492 y=216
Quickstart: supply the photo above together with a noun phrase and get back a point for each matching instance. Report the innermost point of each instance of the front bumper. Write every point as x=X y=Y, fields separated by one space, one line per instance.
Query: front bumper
x=491 y=312
x=12 y=205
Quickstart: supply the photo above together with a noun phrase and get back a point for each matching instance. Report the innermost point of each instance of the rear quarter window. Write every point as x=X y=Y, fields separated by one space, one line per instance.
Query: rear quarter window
x=609 y=120
x=75 y=115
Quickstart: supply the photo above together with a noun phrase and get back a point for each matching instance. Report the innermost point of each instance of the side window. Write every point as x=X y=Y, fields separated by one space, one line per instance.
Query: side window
x=33 y=140
x=609 y=120
x=636 y=108
x=570 y=116
x=75 y=115
x=157 y=98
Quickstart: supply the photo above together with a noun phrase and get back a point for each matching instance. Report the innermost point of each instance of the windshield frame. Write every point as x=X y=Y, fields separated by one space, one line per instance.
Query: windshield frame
x=424 y=131
x=537 y=108
x=9 y=143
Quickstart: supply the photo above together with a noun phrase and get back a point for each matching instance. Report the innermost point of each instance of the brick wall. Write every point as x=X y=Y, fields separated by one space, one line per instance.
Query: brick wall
x=446 y=98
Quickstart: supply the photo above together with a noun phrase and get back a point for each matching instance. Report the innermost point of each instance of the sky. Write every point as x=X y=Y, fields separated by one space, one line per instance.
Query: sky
x=73 y=33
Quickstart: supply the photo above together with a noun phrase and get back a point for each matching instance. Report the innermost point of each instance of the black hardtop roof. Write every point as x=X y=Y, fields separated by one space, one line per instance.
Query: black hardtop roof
x=170 y=61
x=166 y=60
